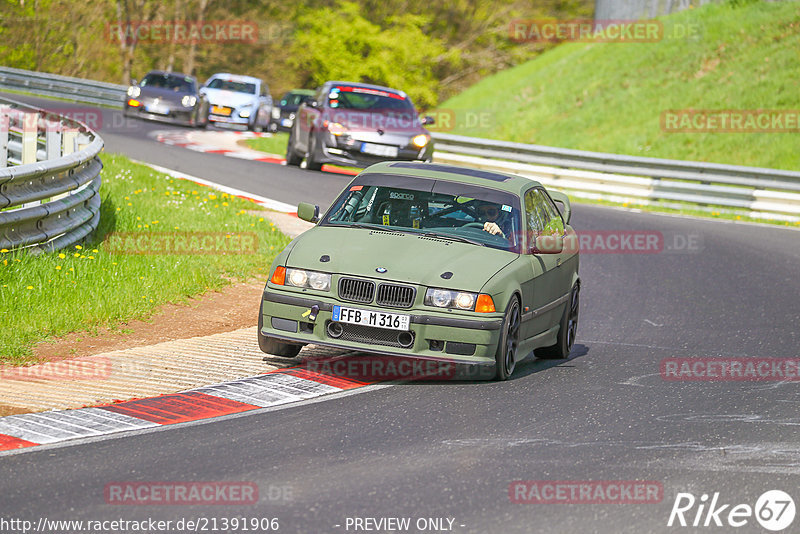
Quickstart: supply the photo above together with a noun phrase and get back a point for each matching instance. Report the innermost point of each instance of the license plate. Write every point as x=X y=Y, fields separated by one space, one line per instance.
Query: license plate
x=220 y=110
x=391 y=321
x=379 y=150
x=159 y=110
x=286 y=122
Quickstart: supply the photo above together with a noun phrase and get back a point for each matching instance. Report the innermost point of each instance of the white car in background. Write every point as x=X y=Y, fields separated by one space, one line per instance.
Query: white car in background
x=238 y=100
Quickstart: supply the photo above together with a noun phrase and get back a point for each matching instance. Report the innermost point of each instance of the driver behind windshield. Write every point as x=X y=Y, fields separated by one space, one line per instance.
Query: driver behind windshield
x=495 y=221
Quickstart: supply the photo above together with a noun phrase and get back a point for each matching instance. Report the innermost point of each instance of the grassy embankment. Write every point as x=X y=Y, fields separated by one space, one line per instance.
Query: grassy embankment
x=102 y=283
x=609 y=97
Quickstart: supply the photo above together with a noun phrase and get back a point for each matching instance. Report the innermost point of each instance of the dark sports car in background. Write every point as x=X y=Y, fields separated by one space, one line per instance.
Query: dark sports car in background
x=284 y=113
x=356 y=125
x=169 y=97
x=404 y=264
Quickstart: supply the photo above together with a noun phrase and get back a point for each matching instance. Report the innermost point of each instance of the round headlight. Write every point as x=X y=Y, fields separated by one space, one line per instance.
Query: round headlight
x=465 y=301
x=420 y=140
x=318 y=281
x=189 y=101
x=276 y=112
x=134 y=91
x=440 y=298
x=298 y=278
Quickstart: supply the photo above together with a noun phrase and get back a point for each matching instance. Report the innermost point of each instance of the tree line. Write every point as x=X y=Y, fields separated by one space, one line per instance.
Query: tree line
x=429 y=48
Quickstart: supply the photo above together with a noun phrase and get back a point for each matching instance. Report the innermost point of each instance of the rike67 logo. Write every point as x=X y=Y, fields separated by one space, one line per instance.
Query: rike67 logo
x=774 y=510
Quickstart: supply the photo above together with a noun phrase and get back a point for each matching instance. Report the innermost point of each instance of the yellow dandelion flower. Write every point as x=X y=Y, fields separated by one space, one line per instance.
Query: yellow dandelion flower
x=62 y=255
x=95 y=250
x=113 y=263
x=76 y=255
x=153 y=222
x=138 y=218
x=4 y=250
x=58 y=267
x=224 y=203
x=90 y=257
x=194 y=192
x=261 y=219
x=78 y=247
x=30 y=287
x=166 y=193
x=129 y=204
x=127 y=198
x=5 y=262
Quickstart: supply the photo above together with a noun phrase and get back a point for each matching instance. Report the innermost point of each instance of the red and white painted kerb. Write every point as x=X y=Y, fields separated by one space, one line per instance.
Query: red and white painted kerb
x=213 y=142
x=271 y=389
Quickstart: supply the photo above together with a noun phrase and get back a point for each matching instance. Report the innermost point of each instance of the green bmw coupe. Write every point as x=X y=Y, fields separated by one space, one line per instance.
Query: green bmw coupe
x=433 y=262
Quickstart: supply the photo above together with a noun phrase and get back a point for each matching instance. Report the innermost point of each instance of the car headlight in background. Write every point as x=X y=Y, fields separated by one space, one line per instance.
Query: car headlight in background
x=308 y=279
x=276 y=112
x=189 y=101
x=420 y=140
x=245 y=113
x=134 y=91
x=335 y=128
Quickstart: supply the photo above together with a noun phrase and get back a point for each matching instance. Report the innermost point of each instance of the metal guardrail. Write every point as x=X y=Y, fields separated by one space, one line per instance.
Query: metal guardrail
x=754 y=191
x=77 y=89
x=49 y=179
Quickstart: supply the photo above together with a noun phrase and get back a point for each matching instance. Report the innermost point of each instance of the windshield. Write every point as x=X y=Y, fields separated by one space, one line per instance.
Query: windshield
x=421 y=210
x=229 y=85
x=358 y=98
x=294 y=99
x=178 y=84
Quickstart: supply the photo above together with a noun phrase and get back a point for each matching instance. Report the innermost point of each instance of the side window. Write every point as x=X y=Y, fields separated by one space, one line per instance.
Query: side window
x=534 y=222
x=556 y=225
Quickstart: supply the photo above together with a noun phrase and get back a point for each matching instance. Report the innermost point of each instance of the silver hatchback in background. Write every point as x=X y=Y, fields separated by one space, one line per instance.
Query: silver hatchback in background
x=238 y=100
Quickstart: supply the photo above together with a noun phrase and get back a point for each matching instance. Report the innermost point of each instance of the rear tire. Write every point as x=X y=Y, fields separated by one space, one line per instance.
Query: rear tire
x=567 y=329
x=274 y=347
x=506 y=357
x=291 y=156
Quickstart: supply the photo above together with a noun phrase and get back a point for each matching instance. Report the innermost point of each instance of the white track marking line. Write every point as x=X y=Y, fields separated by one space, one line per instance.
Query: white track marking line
x=264 y=201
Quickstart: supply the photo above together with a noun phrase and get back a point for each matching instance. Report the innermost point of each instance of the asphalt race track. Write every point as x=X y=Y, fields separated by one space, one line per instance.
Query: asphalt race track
x=451 y=450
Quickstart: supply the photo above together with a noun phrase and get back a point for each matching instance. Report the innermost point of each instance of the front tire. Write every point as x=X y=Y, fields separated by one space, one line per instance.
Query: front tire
x=291 y=156
x=274 y=347
x=506 y=357
x=567 y=329
x=311 y=163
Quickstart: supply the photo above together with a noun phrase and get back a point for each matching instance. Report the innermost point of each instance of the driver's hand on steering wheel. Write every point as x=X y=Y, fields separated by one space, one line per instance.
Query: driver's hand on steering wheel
x=492 y=228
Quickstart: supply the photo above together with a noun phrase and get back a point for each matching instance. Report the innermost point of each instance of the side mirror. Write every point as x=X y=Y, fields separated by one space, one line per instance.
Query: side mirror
x=561 y=198
x=549 y=244
x=427 y=120
x=308 y=212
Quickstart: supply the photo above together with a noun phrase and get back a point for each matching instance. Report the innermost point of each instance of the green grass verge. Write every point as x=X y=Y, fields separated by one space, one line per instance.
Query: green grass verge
x=275 y=144
x=609 y=97
x=100 y=284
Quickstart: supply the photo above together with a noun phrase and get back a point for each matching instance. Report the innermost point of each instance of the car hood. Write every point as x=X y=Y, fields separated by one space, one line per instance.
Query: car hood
x=235 y=99
x=393 y=123
x=162 y=94
x=406 y=257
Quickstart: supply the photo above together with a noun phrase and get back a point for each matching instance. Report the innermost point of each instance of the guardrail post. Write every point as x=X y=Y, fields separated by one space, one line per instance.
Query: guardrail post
x=52 y=140
x=29 y=137
x=5 y=124
x=70 y=142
